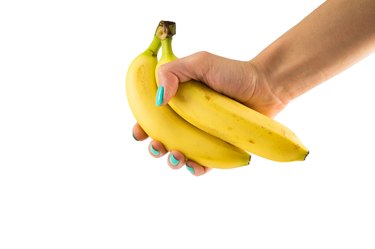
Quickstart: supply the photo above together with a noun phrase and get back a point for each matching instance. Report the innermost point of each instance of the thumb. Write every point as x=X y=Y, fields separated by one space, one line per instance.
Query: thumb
x=173 y=73
x=168 y=83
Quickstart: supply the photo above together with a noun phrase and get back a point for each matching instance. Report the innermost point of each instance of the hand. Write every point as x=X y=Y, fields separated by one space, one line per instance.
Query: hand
x=242 y=81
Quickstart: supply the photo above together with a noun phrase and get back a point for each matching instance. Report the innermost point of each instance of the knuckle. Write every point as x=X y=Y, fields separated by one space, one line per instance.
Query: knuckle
x=163 y=68
x=201 y=55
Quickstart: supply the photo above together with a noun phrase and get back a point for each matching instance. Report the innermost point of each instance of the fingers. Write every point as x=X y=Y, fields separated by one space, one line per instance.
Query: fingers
x=138 y=133
x=196 y=169
x=168 y=85
x=176 y=159
x=156 y=149
x=181 y=70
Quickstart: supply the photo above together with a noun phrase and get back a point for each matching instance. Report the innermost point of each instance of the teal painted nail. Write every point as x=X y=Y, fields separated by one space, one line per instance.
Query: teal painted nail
x=173 y=160
x=190 y=169
x=153 y=151
x=159 y=95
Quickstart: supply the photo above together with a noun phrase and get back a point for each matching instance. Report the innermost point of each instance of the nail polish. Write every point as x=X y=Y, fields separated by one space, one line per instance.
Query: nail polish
x=173 y=160
x=191 y=170
x=154 y=151
x=159 y=95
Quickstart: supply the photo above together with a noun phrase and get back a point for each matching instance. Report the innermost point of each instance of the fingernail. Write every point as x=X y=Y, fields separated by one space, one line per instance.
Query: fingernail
x=134 y=137
x=173 y=160
x=190 y=169
x=154 y=151
x=159 y=95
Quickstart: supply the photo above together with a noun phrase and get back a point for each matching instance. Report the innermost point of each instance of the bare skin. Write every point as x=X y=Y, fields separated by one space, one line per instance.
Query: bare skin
x=333 y=37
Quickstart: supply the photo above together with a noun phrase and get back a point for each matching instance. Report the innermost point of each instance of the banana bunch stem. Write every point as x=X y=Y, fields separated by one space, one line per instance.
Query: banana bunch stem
x=165 y=31
x=154 y=47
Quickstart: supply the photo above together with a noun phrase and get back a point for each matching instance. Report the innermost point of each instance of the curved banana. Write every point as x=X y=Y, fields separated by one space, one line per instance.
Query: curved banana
x=164 y=125
x=226 y=118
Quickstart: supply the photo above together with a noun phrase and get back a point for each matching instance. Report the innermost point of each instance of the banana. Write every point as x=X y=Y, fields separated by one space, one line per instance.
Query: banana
x=164 y=125
x=226 y=118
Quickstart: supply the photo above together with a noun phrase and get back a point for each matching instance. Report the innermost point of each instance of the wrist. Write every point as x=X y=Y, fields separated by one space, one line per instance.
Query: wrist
x=268 y=97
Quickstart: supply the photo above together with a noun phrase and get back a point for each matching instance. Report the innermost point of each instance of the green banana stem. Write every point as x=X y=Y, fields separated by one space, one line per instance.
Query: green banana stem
x=167 y=52
x=154 y=47
x=165 y=31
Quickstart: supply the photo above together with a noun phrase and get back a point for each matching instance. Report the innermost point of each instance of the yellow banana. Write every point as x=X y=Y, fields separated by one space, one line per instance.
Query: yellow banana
x=163 y=124
x=226 y=118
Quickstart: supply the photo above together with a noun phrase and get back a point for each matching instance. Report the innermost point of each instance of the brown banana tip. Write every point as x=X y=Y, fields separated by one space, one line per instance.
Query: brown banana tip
x=165 y=29
x=308 y=152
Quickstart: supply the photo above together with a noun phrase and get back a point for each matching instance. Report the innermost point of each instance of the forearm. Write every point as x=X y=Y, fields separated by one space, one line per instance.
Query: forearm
x=329 y=40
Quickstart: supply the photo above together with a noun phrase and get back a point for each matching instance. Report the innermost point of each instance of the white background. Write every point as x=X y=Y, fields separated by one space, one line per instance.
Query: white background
x=71 y=175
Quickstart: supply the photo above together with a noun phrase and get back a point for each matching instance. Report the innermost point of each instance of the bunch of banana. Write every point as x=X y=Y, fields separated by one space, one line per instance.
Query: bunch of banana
x=206 y=126
x=228 y=119
x=164 y=125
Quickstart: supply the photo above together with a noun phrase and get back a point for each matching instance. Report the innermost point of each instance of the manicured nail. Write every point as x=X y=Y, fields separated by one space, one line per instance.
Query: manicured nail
x=173 y=160
x=159 y=95
x=154 y=151
x=190 y=169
